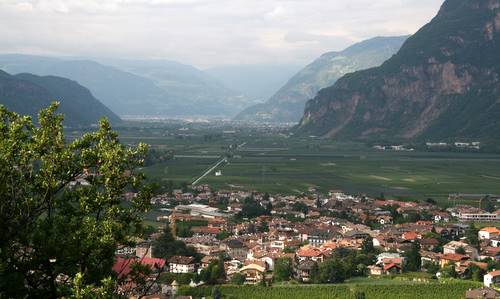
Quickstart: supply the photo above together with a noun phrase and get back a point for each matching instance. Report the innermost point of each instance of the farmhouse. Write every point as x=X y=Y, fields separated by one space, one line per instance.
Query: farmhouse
x=491 y=278
x=253 y=272
x=309 y=253
x=455 y=246
x=236 y=249
x=182 y=264
x=488 y=233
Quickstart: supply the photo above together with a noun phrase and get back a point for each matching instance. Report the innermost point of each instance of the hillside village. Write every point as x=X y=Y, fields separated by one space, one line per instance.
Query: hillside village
x=240 y=237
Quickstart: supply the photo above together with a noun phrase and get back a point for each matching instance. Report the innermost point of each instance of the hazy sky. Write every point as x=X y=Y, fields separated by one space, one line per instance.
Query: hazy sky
x=204 y=32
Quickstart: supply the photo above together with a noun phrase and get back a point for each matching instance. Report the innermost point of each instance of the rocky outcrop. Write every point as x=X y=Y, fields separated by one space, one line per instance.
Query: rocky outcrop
x=287 y=105
x=444 y=82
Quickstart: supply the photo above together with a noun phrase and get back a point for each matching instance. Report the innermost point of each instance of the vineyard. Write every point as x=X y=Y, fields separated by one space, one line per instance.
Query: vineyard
x=451 y=290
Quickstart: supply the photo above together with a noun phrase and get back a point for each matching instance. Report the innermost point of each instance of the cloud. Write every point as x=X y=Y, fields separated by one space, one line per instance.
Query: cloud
x=204 y=32
x=299 y=37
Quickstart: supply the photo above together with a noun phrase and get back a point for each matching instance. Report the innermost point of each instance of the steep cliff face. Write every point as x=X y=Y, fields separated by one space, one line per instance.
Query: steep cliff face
x=444 y=82
x=287 y=105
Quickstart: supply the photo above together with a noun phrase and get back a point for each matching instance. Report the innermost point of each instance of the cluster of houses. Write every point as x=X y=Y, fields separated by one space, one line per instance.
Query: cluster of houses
x=308 y=236
x=476 y=145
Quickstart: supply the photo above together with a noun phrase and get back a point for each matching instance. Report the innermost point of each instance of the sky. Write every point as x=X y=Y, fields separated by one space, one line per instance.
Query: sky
x=204 y=33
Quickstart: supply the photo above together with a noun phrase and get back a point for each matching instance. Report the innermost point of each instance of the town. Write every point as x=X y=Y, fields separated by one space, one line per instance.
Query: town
x=205 y=237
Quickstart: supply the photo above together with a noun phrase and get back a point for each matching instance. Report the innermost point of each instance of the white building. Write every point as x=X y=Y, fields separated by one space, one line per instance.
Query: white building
x=491 y=278
x=200 y=210
x=487 y=233
x=182 y=264
x=479 y=217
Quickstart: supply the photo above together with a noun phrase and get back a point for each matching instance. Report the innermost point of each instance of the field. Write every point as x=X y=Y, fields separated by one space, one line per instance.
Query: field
x=385 y=289
x=270 y=160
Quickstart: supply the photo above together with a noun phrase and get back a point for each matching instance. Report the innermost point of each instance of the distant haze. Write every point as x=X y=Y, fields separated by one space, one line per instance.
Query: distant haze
x=204 y=33
x=257 y=82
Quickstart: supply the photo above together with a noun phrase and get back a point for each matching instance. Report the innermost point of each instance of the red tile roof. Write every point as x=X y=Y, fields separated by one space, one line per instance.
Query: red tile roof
x=387 y=261
x=122 y=266
x=309 y=252
x=410 y=236
x=454 y=257
x=390 y=266
x=494 y=273
x=182 y=260
x=491 y=230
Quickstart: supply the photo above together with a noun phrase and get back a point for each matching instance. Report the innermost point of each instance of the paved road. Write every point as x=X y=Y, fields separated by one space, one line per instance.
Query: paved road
x=209 y=171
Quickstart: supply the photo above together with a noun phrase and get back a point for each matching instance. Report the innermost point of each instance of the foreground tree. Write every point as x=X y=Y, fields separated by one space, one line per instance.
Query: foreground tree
x=62 y=213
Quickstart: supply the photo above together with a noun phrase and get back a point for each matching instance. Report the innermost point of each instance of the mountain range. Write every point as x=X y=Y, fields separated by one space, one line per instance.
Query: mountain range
x=443 y=83
x=27 y=94
x=287 y=104
x=139 y=88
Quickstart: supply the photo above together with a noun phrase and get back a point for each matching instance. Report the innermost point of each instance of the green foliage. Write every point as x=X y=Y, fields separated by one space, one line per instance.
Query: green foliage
x=58 y=226
x=167 y=246
x=263 y=227
x=181 y=278
x=300 y=207
x=358 y=295
x=367 y=246
x=413 y=258
x=492 y=264
x=216 y=294
x=214 y=272
x=159 y=156
x=431 y=268
x=471 y=235
x=80 y=290
x=448 y=272
x=183 y=228
x=252 y=209
x=331 y=271
x=223 y=235
x=475 y=273
x=238 y=279
x=283 y=269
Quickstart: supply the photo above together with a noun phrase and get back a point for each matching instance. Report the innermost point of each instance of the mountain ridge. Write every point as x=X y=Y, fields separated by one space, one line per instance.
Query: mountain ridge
x=287 y=104
x=27 y=93
x=442 y=83
x=147 y=88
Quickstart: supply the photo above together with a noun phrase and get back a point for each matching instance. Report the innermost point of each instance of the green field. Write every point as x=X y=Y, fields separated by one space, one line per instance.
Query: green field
x=287 y=165
x=272 y=161
x=385 y=289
